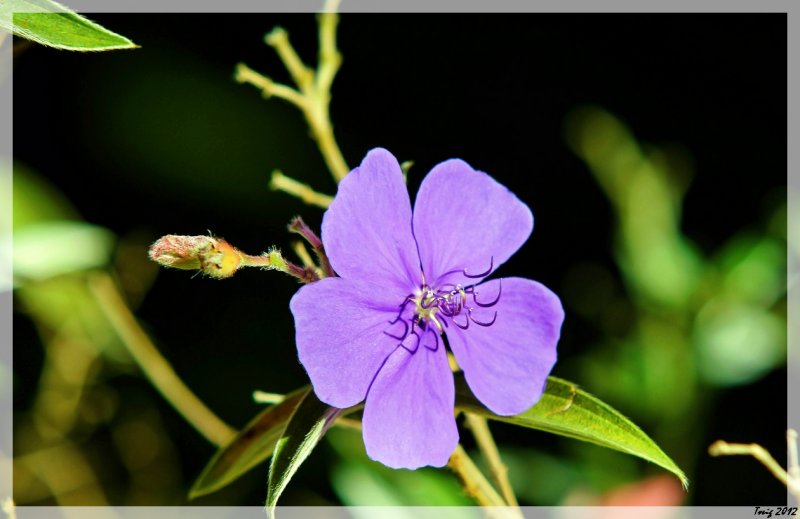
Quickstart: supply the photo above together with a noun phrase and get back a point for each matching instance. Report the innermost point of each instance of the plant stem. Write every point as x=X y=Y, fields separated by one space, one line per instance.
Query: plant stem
x=302 y=253
x=478 y=488
x=281 y=182
x=488 y=447
x=154 y=365
x=722 y=448
x=313 y=93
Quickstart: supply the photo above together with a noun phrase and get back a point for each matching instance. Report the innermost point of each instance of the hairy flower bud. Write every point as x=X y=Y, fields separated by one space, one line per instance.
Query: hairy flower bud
x=213 y=256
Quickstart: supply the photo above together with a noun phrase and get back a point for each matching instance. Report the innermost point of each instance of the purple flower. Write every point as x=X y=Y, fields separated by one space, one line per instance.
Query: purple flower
x=406 y=282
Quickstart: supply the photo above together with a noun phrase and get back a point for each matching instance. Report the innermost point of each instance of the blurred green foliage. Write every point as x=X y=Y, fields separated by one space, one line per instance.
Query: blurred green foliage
x=675 y=325
x=694 y=321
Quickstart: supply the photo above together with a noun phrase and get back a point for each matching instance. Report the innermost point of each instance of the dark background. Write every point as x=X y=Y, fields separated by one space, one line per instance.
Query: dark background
x=161 y=140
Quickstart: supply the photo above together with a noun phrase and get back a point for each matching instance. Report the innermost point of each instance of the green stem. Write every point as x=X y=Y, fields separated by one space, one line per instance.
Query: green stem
x=478 y=488
x=485 y=440
x=154 y=365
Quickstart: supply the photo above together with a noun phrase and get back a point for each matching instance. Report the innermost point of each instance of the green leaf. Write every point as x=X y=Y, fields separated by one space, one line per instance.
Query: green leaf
x=568 y=411
x=49 y=23
x=304 y=430
x=50 y=249
x=254 y=444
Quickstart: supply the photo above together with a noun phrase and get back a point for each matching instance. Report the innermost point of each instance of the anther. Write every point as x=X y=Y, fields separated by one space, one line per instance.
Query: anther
x=496 y=299
x=482 y=274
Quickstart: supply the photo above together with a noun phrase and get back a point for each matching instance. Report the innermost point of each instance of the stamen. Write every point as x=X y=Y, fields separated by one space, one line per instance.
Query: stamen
x=405 y=329
x=435 y=344
x=496 y=299
x=479 y=323
x=416 y=346
x=402 y=309
x=482 y=274
x=464 y=326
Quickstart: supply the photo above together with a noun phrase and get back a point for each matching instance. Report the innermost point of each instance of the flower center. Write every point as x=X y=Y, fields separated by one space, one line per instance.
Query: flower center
x=425 y=315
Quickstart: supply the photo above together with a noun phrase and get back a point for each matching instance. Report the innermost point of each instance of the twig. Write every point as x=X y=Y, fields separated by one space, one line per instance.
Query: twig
x=478 y=488
x=262 y=397
x=154 y=365
x=302 y=253
x=722 y=448
x=313 y=93
x=281 y=182
x=268 y=87
x=486 y=443
x=348 y=423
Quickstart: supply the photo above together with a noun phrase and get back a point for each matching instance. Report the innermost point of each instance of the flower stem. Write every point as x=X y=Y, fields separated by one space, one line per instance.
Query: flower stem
x=280 y=182
x=268 y=87
x=262 y=397
x=488 y=447
x=476 y=485
x=723 y=448
x=154 y=365
x=313 y=93
x=302 y=253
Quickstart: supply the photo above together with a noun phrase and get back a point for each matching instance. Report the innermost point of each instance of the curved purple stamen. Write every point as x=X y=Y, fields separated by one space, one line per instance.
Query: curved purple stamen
x=464 y=327
x=488 y=305
x=405 y=330
x=482 y=274
x=416 y=347
x=402 y=309
x=479 y=323
x=435 y=344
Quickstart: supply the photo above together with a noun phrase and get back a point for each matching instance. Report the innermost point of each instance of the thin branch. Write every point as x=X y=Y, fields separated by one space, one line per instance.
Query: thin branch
x=262 y=397
x=302 y=252
x=722 y=448
x=154 y=365
x=478 y=488
x=281 y=182
x=268 y=87
x=486 y=443
x=330 y=59
x=303 y=76
x=348 y=423
x=313 y=95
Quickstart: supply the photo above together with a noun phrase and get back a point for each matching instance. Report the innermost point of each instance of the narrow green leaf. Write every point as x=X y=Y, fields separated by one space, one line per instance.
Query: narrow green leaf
x=49 y=23
x=568 y=411
x=254 y=444
x=304 y=430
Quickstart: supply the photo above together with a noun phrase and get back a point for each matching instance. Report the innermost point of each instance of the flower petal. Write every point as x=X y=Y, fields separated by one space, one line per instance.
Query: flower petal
x=506 y=364
x=367 y=229
x=339 y=327
x=465 y=220
x=409 y=419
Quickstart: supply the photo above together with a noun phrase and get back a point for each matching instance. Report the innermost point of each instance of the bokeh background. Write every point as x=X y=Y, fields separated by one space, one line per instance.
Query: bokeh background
x=651 y=149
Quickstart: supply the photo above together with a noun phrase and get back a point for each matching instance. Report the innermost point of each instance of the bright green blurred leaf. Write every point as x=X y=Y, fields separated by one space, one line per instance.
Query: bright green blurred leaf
x=658 y=262
x=51 y=249
x=51 y=24
x=738 y=343
x=754 y=268
x=305 y=428
x=254 y=444
x=36 y=200
x=568 y=411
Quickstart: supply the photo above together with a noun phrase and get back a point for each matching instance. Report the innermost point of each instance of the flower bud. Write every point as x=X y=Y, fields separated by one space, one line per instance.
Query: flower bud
x=213 y=256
